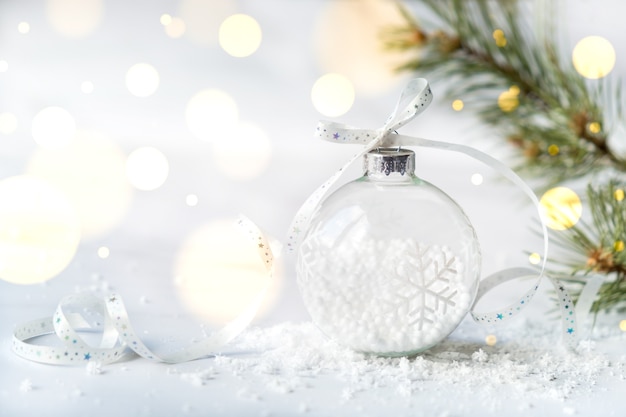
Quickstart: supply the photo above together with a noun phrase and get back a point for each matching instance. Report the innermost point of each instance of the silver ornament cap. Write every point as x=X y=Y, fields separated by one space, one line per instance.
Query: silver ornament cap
x=389 y=163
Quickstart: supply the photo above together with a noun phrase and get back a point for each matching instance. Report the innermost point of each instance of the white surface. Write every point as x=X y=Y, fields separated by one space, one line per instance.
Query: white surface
x=272 y=90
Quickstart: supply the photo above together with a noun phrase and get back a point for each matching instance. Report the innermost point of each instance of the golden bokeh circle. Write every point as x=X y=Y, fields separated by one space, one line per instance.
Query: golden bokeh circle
x=219 y=273
x=39 y=230
x=593 y=57
x=560 y=208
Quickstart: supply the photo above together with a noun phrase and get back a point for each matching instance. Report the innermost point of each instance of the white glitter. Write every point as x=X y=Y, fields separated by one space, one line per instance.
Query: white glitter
x=93 y=368
x=480 y=356
x=526 y=365
x=303 y=408
x=26 y=385
x=198 y=378
x=569 y=411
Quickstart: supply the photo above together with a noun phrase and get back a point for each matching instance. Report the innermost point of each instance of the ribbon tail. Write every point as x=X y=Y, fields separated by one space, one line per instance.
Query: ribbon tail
x=302 y=218
x=585 y=302
x=118 y=333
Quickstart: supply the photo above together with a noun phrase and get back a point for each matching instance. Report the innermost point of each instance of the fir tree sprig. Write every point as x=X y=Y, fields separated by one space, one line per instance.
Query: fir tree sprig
x=598 y=247
x=516 y=82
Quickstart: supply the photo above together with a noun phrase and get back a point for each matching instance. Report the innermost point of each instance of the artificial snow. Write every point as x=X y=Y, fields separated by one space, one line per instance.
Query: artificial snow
x=26 y=385
x=285 y=359
x=390 y=297
x=93 y=368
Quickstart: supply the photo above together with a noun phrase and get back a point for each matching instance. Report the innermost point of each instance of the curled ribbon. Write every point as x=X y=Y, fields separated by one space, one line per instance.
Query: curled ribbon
x=117 y=333
x=415 y=98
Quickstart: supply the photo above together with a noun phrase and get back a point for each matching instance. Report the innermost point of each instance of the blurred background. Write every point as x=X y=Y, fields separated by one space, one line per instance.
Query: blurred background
x=132 y=134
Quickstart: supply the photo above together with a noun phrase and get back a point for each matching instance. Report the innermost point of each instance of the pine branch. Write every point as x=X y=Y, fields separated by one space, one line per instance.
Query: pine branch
x=599 y=247
x=516 y=83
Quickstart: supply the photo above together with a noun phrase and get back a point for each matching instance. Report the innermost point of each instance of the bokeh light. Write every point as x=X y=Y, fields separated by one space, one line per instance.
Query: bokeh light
x=4 y=66
x=103 y=252
x=203 y=18
x=491 y=340
x=142 y=80
x=8 y=123
x=534 y=258
x=332 y=95
x=219 y=272
x=476 y=179
x=553 y=150
x=23 y=28
x=622 y=325
x=87 y=87
x=561 y=208
x=593 y=57
x=508 y=100
x=240 y=35
x=176 y=28
x=619 y=194
x=75 y=18
x=498 y=36
x=210 y=112
x=594 y=127
x=91 y=172
x=165 y=19
x=458 y=105
x=147 y=168
x=348 y=41
x=39 y=230
x=191 y=200
x=53 y=128
x=244 y=153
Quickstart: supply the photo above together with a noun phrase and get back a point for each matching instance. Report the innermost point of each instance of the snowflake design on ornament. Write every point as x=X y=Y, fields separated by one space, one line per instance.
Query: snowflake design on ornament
x=422 y=288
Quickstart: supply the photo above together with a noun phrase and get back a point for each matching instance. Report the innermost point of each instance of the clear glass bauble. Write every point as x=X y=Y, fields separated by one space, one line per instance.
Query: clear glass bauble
x=389 y=264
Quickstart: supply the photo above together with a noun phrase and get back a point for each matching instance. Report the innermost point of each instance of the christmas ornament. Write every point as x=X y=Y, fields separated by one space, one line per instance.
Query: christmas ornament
x=389 y=264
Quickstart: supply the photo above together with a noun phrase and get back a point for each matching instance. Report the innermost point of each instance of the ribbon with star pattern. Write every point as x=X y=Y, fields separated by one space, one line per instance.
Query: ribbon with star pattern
x=117 y=336
x=414 y=99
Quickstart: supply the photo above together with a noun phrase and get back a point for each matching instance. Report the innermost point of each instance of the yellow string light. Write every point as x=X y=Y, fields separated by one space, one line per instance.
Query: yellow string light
x=498 y=36
x=534 y=258
x=507 y=100
x=553 y=150
x=594 y=127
